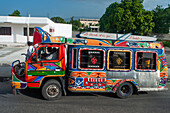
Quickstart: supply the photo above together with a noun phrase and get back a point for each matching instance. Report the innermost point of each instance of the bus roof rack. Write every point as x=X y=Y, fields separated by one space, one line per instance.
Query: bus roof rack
x=115 y=36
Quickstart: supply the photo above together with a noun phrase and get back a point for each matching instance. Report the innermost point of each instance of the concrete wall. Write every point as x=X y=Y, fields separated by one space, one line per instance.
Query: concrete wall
x=63 y=30
x=6 y=38
x=17 y=25
x=17 y=33
x=24 y=20
x=59 y=29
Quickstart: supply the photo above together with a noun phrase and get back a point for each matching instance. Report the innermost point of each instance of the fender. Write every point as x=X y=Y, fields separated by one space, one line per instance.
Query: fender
x=62 y=80
x=125 y=80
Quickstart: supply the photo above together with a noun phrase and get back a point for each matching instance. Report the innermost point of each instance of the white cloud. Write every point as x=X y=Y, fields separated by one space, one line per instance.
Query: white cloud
x=151 y=4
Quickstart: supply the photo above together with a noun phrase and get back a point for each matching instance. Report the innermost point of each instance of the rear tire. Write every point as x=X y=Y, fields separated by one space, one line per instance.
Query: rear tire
x=124 y=90
x=51 y=90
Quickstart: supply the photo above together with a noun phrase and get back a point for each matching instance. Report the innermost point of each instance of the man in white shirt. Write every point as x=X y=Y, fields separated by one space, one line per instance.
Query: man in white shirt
x=30 y=50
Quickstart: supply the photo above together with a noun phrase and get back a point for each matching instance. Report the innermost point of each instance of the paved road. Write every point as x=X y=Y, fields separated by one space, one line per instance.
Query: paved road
x=31 y=101
x=10 y=54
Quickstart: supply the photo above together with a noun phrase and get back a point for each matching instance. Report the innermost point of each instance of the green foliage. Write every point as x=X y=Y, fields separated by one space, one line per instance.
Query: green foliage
x=72 y=18
x=74 y=28
x=15 y=13
x=58 y=20
x=76 y=24
x=161 y=19
x=127 y=16
x=166 y=44
x=84 y=29
x=159 y=40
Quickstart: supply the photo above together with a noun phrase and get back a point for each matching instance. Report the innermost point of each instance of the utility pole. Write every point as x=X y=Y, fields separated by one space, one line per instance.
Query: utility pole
x=28 y=28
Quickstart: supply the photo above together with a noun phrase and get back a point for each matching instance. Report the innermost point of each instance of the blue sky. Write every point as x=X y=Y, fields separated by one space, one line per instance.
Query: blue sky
x=66 y=8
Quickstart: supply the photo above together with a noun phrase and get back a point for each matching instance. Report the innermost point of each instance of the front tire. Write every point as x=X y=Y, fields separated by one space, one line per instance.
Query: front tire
x=51 y=90
x=124 y=90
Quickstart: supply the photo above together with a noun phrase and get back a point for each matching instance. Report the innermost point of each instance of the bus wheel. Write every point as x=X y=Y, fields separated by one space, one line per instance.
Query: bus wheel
x=51 y=90
x=124 y=90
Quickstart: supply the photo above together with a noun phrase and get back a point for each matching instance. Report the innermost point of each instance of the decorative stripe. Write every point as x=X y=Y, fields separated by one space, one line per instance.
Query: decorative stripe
x=46 y=73
x=34 y=85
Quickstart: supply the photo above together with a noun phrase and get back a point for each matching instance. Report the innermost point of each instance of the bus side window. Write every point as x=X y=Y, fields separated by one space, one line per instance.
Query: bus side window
x=119 y=60
x=92 y=59
x=74 y=58
x=146 y=60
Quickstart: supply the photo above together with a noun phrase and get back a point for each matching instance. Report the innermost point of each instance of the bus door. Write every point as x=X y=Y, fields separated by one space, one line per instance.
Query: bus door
x=146 y=69
x=49 y=61
x=87 y=74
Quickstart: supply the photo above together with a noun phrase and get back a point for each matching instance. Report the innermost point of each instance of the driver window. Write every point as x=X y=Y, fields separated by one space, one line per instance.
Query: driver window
x=48 y=53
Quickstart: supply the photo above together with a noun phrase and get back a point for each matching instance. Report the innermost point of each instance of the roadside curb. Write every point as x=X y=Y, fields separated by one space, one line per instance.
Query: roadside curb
x=5 y=79
x=13 y=44
x=5 y=64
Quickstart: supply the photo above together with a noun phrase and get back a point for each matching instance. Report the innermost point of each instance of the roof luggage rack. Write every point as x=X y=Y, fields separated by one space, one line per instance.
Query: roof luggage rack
x=115 y=36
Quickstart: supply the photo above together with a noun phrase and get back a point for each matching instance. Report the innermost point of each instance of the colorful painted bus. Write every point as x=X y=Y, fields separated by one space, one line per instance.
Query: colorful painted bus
x=91 y=65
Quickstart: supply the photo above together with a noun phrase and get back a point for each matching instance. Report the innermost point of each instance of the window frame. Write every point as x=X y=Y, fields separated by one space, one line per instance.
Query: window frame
x=146 y=69
x=119 y=50
x=46 y=60
x=4 y=33
x=30 y=33
x=94 y=49
x=73 y=50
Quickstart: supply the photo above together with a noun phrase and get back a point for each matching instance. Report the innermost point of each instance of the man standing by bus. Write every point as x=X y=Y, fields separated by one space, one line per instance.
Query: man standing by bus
x=30 y=49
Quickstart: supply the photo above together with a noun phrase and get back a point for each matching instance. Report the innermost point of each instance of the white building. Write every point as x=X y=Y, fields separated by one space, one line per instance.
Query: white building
x=91 y=23
x=14 y=29
x=87 y=22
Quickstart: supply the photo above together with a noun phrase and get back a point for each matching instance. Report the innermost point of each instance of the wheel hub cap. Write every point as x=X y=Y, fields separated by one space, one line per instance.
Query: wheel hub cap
x=52 y=91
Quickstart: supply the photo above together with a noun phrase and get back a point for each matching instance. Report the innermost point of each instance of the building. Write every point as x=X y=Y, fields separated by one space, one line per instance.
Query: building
x=93 y=24
x=14 y=29
x=89 y=22
x=94 y=28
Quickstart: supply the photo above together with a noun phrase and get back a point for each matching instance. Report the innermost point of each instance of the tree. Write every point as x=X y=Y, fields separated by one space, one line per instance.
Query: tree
x=107 y=20
x=15 y=13
x=76 y=24
x=58 y=20
x=127 y=16
x=72 y=18
x=161 y=19
x=167 y=11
